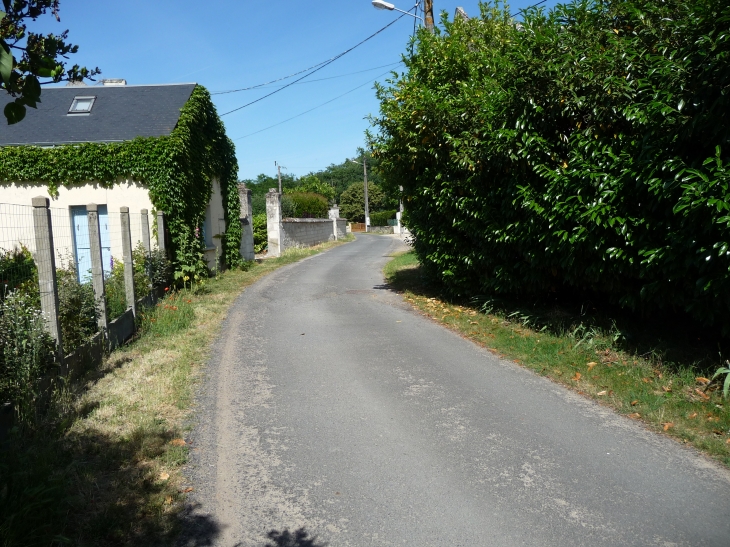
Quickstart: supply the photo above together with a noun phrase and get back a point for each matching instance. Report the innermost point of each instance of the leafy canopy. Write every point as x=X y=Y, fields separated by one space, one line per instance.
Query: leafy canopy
x=27 y=56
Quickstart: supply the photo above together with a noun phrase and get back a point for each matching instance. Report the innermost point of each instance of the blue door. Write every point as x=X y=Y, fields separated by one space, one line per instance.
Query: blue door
x=82 y=245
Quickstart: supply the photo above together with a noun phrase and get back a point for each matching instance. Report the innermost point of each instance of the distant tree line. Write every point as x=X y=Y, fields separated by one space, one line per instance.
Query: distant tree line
x=338 y=183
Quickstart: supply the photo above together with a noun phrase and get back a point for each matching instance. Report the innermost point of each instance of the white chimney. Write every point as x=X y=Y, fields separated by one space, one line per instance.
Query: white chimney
x=114 y=81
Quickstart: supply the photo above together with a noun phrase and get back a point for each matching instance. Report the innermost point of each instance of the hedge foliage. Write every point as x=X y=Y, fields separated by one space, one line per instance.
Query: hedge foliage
x=177 y=169
x=306 y=205
x=585 y=149
x=381 y=218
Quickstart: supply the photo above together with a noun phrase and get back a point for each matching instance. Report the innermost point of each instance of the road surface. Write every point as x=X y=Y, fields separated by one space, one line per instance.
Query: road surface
x=331 y=406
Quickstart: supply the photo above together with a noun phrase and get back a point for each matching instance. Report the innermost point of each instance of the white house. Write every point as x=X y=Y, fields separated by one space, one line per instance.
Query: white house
x=110 y=113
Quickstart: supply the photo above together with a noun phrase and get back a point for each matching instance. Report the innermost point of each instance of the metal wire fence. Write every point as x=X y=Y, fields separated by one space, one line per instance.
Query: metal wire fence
x=71 y=244
x=17 y=245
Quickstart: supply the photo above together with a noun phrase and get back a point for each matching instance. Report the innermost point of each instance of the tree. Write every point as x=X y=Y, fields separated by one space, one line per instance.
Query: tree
x=341 y=176
x=311 y=184
x=352 y=201
x=38 y=56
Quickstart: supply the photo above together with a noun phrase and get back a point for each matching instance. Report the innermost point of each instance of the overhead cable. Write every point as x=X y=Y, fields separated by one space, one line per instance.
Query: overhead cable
x=267 y=83
x=528 y=7
x=311 y=109
x=323 y=79
x=320 y=67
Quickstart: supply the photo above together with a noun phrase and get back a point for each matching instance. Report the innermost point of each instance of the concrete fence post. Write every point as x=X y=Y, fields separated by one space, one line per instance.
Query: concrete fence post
x=128 y=264
x=273 y=222
x=334 y=214
x=161 y=231
x=146 y=231
x=246 y=217
x=46 y=264
x=97 y=269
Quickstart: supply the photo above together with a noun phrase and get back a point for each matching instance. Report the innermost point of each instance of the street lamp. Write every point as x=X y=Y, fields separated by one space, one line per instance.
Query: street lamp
x=380 y=4
x=365 y=173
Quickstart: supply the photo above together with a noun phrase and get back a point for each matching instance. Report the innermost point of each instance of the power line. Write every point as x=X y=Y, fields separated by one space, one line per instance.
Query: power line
x=528 y=7
x=320 y=67
x=311 y=109
x=322 y=79
x=268 y=83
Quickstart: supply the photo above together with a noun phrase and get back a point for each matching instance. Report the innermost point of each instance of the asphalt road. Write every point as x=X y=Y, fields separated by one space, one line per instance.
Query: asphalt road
x=330 y=405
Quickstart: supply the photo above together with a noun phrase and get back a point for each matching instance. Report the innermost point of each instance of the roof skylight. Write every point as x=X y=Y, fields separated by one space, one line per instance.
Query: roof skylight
x=82 y=105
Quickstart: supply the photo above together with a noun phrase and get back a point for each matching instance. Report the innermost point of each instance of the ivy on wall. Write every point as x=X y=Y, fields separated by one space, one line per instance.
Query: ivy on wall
x=177 y=170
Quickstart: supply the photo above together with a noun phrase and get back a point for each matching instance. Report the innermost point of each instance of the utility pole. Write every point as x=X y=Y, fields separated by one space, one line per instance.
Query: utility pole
x=428 y=14
x=367 y=208
x=278 y=168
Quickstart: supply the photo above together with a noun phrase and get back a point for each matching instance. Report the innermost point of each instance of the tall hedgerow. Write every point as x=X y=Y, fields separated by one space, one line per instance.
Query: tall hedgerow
x=583 y=149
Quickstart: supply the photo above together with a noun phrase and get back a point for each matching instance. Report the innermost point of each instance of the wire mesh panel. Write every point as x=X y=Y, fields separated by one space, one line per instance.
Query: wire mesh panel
x=17 y=244
x=62 y=223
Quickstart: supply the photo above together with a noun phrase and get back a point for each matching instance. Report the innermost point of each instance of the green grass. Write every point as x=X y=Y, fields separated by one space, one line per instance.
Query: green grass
x=105 y=467
x=591 y=356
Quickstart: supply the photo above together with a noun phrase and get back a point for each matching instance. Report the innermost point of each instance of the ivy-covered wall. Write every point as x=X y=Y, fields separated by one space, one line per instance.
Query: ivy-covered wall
x=177 y=170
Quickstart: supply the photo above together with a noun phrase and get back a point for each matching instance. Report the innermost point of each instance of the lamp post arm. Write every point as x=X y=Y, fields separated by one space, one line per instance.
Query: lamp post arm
x=409 y=13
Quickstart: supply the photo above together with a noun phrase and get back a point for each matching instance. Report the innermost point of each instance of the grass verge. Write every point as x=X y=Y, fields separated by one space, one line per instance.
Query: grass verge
x=671 y=396
x=104 y=469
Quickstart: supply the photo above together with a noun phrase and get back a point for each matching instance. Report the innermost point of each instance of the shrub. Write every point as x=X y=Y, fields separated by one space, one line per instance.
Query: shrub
x=16 y=268
x=311 y=184
x=381 y=218
x=26 y=352
x=306 y=205
x=260 y=233
x=76 y=307
x=116 y=291
x=586 y=150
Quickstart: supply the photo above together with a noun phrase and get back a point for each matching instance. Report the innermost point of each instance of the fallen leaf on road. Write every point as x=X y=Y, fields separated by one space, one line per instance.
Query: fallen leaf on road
x=186 y=490
x=178 y=442
x=645 y=380
x=692 y=416
x=576 y=377
x=602 y=392
x=702 y=380
x=164 y=476
x=702 y=394
x=591 y=365
x=634 y=403
x=667 y=389
x=473 y=323
x=634 y=415
x=668 y=426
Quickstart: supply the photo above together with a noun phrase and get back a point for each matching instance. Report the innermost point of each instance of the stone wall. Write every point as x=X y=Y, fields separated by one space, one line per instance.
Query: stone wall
x=285 y=233
x=305 y=232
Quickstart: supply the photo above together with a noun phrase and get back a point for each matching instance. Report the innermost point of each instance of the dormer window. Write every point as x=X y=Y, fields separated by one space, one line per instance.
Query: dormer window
x=82 y=105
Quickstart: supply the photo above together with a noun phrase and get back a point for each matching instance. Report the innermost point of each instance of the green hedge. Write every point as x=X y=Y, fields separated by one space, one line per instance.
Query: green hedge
x=381 y=218
x=307 y=205
x=585 y=149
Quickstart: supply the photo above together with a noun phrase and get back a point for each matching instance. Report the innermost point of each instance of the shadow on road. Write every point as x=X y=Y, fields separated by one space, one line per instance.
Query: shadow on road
x=300 y=538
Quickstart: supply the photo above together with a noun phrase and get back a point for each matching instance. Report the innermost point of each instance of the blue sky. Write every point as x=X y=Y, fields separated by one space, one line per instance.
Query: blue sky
x=225 y=45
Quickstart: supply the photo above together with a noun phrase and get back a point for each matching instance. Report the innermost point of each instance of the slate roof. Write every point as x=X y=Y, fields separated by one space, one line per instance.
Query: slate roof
x=120 y=113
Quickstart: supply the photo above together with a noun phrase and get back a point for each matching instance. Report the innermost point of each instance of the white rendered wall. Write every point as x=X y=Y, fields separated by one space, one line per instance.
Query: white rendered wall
x=19 y=227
